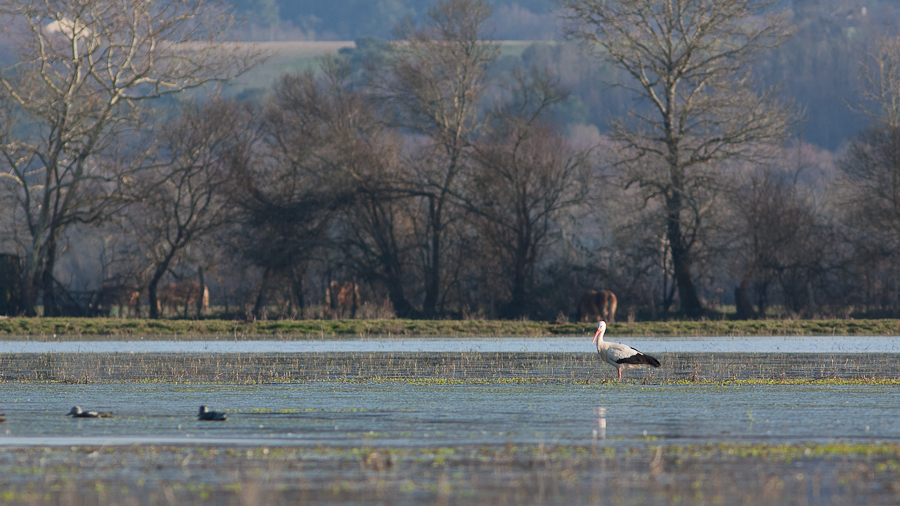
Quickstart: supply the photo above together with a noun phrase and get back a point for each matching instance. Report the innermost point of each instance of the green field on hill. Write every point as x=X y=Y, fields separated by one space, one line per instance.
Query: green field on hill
x=296 y=56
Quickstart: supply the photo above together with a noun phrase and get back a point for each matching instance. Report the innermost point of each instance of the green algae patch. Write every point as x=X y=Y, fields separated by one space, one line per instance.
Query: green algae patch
x=780 y=452
x=819 y=381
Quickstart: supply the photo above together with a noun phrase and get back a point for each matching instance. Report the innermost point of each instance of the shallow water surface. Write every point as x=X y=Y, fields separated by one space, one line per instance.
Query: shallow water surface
x=792 y=344
x=400 y=414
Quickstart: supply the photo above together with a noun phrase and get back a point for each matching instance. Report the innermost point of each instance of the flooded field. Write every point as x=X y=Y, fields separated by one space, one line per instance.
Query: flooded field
x=400 y=414
x=450 y=428
x=573 y=344
x=247 y=368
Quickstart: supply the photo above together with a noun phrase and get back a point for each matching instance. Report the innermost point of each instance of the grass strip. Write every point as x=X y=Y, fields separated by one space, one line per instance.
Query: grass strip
x=79 y=328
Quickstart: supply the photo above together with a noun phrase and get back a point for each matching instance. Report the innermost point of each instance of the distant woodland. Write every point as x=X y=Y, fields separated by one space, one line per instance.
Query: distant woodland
x=742 y=164
x=818 y=66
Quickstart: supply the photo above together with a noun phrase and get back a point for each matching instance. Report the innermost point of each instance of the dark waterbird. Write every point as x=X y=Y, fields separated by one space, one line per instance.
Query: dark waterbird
x=77 y=412
x=618 y=355
x=206 y=414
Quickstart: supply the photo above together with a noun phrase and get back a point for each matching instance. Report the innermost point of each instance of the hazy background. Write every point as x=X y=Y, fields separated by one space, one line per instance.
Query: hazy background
x=817 y=68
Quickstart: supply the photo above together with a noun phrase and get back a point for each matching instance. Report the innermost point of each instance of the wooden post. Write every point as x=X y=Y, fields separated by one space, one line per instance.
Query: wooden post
x=203 y=296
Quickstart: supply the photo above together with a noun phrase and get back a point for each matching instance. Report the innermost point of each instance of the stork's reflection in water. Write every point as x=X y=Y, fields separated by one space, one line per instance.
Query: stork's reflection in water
x=600 y=431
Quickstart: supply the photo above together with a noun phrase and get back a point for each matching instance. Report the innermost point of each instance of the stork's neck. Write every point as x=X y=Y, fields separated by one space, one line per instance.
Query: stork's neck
x=598 y=337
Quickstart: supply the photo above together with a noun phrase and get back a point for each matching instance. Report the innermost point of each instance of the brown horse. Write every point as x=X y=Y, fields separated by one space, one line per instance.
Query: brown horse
x=186 y=294
x=597 y=305
x=125 y=296
x=342 y=299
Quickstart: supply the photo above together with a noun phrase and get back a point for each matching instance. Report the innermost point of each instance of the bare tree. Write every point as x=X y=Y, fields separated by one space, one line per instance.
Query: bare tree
x=525 y=178
x=689 y=62
x=377 y=235
x=871 y=165
x=88 y=70
x=779 y=239
x=379 y=239
x=373 y=231
x=880 y=82
x=436 y=82
x=317 y=138
x=182 y=199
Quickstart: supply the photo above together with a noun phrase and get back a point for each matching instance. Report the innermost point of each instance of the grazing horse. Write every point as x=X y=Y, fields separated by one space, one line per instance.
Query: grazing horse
x=597 y=305
x=187 y=294
x=126 y=297
x=342 y=298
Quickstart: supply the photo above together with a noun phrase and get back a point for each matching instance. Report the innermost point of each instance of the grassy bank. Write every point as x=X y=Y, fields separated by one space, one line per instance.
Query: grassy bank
x=66 y=328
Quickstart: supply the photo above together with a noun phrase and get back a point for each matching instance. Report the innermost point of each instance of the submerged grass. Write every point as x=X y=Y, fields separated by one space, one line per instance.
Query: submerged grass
x=118 y=328
x=503 y=473
x=781 y=452
x=449 y=368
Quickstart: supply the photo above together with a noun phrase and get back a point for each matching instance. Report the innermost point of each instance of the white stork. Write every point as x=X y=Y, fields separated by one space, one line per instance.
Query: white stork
x=618 y=355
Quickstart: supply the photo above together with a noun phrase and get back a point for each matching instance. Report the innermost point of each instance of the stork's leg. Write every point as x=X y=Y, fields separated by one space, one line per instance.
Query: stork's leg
x=620 y=372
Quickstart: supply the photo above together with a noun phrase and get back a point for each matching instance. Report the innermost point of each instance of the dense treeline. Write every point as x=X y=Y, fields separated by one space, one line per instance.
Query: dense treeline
x=441 y=180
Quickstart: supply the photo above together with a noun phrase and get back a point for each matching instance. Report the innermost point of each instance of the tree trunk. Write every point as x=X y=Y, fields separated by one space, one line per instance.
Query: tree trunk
x=519 y=305
x=261 y=296
x=813 y=308
x=158 y=273
x=895 y=303
x=297 y=290
x=48 y=290
x=681 y=262
x=517 y=302
x=761 y=301
x=433 y=270
x=742 y=301
x=394 y=283
x=152 y=297
x=681 y=255
x=687 y=293
x=30 y=290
